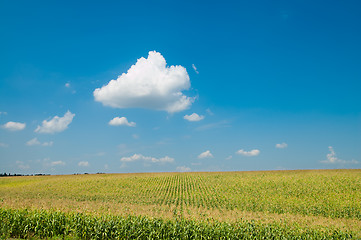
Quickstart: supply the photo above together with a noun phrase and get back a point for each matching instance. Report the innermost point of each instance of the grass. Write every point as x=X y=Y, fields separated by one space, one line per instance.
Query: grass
x=320 y=202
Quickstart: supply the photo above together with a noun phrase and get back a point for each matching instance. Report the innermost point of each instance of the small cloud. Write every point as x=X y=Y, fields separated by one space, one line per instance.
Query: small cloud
x=194 y=117
x=221 y=124
x=67 y=85
x=164 y=141
x=229 y=157
x=195 y=69
x=47 y=144
x=56 y=124
x=4 y=145
x=183 y=169
x=196 y=164
x=22 y=165
x=140 y=157
x=34 y=142
x=251 y=153
x=83 y=164
x=148 y=84
x=333 y=159
x=206 y=154
x=135 y=136
x=56 y=163
x=3 y=113
x=281 y=145
x=209 y=112
x=14 y=126
x=117 y=121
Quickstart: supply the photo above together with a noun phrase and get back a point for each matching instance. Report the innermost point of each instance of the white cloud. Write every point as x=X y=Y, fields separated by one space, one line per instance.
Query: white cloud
x=194 y=117
x=229 y=157
x=195 y=69
x=137 y=157
x=3 y=145
x=148 y=84
x=35 y=141
x=251 y=153
x=14 y=126
x=3 y=113
x=117 y=121
x=47 y=144
x=56 y=124
x=67 y=85
x=57 y=163
x=183 y=169
x=206 y=154
x=83 y=164
x=281 y=145
x=333 y=159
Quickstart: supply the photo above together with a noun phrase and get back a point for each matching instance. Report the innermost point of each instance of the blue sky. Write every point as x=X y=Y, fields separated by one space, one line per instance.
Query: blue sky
x=198 y=86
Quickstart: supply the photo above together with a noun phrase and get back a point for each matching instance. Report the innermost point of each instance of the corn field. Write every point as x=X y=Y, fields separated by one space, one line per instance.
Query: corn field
x=27 y=224
x=317 y=204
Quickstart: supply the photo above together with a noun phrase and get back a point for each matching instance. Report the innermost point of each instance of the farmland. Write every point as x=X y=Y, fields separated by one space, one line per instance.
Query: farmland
x=287 y=203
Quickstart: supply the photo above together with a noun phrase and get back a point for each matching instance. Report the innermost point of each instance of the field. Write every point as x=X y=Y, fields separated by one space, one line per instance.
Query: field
x=303 y=204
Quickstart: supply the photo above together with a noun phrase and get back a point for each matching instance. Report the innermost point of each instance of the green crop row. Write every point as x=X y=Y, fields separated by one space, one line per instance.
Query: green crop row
x=49 y=224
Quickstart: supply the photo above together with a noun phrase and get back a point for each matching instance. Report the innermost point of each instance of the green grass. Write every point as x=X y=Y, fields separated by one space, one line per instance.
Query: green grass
x=313 y=201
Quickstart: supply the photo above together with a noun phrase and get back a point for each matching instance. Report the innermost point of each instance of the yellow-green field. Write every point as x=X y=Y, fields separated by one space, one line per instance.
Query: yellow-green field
x=319 y=200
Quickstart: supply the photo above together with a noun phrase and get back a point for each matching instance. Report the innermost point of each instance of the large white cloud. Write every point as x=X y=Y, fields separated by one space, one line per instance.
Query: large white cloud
x=56 y=124
x=14 y=126
x=148 y=84
x=117 y=121
x=206 y=154
x=333 y=159
x=194 y=117
x=251 y=153
x=137 y=157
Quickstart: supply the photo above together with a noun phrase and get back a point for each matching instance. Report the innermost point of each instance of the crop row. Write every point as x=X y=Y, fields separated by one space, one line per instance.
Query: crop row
x=48 y=224
x=332 y=194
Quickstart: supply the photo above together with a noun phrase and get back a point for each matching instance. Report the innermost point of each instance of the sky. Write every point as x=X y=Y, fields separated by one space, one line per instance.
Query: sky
x=167 y=86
